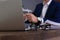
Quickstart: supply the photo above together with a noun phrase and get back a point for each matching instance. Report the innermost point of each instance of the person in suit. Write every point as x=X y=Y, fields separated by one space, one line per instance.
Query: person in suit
x=46 y=12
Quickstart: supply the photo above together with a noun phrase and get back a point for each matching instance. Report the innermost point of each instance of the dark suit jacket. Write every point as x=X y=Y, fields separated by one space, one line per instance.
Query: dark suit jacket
x=53 y=12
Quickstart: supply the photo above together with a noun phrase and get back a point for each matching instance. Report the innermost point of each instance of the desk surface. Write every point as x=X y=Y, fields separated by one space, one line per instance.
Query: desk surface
x=31 y=35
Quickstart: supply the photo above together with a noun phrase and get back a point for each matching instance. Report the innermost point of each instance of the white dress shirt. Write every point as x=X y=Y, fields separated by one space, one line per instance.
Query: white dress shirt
x=44 y=10
x=54 y=25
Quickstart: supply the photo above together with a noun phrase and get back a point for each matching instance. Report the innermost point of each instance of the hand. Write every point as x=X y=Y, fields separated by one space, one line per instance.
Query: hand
x=31 y=18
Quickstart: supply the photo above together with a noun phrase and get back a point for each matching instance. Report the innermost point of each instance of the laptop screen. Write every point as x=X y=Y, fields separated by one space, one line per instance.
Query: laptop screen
x=11 y=15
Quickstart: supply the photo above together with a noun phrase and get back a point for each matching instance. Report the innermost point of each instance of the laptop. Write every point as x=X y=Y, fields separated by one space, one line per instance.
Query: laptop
x=11 y=15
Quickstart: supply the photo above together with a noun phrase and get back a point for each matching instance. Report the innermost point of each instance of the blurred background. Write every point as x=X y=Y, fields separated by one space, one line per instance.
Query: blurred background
x=30 y=4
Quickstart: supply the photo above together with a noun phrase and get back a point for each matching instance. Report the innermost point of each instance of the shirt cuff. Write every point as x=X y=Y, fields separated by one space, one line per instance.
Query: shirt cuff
x=41 y=19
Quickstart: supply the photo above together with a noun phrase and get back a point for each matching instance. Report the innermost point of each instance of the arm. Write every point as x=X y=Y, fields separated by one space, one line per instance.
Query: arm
x=56 y=20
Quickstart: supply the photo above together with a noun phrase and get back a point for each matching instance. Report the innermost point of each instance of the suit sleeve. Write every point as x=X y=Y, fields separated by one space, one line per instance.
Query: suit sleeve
x=57 y=15
x=56 y=20
x=37 y=10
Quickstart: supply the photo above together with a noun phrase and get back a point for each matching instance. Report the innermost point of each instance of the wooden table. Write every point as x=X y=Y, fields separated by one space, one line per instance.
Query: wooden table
x=31 y=35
